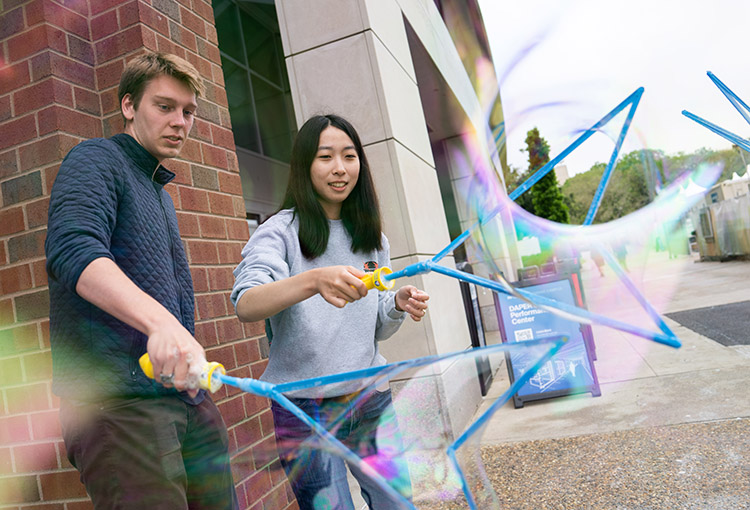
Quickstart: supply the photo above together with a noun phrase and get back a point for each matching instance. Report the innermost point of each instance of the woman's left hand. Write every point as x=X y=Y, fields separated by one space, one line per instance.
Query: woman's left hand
x=413 y=301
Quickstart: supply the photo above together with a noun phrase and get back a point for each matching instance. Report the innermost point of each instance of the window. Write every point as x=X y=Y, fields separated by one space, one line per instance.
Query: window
x=257 y=84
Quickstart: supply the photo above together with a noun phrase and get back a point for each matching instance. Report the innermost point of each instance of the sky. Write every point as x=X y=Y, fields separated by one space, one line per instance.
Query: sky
x=575 y=60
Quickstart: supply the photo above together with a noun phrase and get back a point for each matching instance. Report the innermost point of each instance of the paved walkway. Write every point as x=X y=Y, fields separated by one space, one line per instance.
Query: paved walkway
x=671 y=428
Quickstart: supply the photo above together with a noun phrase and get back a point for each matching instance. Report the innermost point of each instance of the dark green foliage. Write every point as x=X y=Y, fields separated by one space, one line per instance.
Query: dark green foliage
x=545 y=194
x=635 y=177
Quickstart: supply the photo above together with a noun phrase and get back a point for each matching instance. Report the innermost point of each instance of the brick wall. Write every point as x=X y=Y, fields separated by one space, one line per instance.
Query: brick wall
x=60 y=63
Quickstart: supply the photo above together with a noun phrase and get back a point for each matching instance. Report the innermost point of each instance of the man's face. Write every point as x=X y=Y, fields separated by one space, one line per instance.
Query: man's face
x=162 y=120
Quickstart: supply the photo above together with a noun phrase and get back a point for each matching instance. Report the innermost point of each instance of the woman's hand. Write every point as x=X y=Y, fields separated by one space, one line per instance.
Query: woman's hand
x=340 y=285
x=413 y=301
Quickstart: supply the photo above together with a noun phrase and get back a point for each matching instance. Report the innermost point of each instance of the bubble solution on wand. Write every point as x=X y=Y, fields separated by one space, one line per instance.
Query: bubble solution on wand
x=208 y=379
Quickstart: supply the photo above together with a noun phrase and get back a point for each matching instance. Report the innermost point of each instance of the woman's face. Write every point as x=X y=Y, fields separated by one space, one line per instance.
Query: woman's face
x=334 y=171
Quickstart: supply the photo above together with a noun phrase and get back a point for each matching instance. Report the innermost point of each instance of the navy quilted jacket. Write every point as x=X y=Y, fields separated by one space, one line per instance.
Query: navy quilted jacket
x=108 y=201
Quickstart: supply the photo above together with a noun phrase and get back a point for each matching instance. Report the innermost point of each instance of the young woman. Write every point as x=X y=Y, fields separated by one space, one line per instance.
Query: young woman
x=302 y=271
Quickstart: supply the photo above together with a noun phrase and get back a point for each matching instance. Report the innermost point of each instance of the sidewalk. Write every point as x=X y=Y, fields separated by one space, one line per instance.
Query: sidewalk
x=671 y=428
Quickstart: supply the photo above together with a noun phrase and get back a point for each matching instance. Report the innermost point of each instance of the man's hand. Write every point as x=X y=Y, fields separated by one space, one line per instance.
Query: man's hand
x=413 y=301
x=177 y=357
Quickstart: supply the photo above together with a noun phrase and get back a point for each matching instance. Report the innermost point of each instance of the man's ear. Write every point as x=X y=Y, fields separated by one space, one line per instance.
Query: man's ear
x=128 y=107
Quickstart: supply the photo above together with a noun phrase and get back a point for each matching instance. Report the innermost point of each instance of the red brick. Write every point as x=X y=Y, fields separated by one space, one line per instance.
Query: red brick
x=61 y=485
x=46 y=425
x=246 y=352
x=188 y=223
x=211 y=34
x=253 y=329
x=221 y=204
x=36 y=212
x=200 y=63
x=6 y=315
x=35 y=457
x=202 y=130
x=50 y=173
x=64 y=18
x=204 y=10
x=8 y=164
x=167 y=46
x=118 y=44
x=182 y=36
x=108 y=75
x=80 y=50
x=191 y=151
x=14 y=429
x=182 y=172
x=230 y=253
x=51 y=64
x=276 y=499
x=44 y=327
x=173 y=193
x=5 y=109
x=212 y=227
x=205 y=333
x=200 y=279
x=234 y=165
x=18 y=339
x=129 y=14
x=87 y=101
x=112 y=125
x=28 y=398
x=14 y=279
x=41 y=94
x=31 y=306
x=153 y=18
x=11 y=221
x=232 y=411
x=104 y=24
x=223 y=355
x=34 y=12
x=214 y=156
x=210 y=306
x=19 y=489
x=204 y=177
x=57 y=118
x=27 y=43
x=18 y=131
x=58 y=40
x=257 y=369
x=202 y=252
x=51 y=149
x=81 y=505
x=229 y=329
x=3 y=254
x=237 y=229
x=222 y=137
x=149 y=39
x=193 y=22
x=11 y=22
x=193 y=199
x=220 y=278
x=218 y=75
x=109 y=101
x=38 y=366
x=39 y=273
x=259 y=485
x=230 y=183
x=101 y=6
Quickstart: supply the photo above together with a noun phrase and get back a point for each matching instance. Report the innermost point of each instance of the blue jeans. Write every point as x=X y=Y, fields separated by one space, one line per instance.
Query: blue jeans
x=317 y=476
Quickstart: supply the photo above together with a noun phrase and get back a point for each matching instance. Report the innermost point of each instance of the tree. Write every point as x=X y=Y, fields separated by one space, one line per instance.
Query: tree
x=545 y=194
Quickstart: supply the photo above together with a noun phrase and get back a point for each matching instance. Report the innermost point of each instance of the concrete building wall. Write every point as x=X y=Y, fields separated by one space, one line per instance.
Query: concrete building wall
x=60 y=63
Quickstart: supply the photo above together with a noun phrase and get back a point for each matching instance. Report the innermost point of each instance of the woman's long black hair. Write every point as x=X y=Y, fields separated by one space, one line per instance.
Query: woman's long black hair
x=360 y=212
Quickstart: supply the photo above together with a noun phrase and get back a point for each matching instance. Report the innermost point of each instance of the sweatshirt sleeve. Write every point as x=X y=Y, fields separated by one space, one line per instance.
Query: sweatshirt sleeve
x=82 y=212
x=389 y=319
x=264 y=258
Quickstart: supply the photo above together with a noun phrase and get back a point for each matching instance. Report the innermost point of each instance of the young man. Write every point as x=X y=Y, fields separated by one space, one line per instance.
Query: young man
x=120 y=286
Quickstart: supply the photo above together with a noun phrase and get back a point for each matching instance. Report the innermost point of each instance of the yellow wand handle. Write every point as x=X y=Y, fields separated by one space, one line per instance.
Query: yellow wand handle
x=207 y=381
x=377 y=280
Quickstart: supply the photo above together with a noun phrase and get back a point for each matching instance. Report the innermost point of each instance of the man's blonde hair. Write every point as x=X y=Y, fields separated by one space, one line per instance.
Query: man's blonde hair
x=144 y=68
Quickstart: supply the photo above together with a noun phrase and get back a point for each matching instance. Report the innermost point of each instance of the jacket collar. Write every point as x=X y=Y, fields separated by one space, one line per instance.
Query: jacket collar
x=143 y=159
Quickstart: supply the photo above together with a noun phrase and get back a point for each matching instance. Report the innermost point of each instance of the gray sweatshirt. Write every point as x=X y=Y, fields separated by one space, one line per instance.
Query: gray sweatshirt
x=314 y=338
